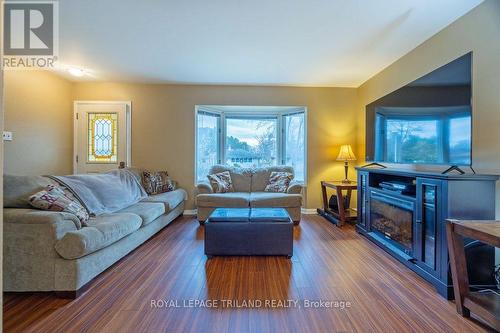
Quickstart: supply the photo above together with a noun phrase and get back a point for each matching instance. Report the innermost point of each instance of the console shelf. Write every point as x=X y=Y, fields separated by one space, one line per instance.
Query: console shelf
x=411 y=226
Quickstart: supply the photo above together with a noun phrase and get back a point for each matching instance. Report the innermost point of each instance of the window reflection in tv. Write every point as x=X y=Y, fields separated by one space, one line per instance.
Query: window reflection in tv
x=428 y=121
x=423 y=135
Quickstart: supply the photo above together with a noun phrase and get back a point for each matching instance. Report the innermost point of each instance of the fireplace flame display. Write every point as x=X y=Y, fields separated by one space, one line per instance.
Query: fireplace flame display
x=392 y=221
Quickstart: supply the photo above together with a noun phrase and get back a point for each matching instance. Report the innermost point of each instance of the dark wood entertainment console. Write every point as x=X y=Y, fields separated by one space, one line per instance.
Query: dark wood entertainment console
x=411 y=226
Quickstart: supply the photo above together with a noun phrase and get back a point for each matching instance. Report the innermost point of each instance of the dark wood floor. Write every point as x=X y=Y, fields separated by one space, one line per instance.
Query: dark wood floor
x=328 y=264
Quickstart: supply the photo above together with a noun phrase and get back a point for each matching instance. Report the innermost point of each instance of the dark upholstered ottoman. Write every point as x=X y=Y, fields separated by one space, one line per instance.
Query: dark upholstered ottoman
x=249 y=232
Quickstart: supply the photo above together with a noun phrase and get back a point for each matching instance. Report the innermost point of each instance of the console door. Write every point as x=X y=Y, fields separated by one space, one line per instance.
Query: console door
x=427 y=222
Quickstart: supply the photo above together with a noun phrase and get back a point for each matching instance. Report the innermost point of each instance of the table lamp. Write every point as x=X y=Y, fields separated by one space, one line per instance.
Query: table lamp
x=346 y=155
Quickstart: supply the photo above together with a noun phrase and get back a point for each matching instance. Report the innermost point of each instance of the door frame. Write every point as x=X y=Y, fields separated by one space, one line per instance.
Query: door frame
x=128 y=129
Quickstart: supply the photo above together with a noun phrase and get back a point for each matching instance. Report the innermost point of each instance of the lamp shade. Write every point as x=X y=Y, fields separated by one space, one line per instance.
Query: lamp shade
x=346 y=154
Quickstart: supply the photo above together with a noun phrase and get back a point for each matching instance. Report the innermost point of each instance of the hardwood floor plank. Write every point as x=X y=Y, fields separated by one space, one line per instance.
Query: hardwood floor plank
x=329 y=264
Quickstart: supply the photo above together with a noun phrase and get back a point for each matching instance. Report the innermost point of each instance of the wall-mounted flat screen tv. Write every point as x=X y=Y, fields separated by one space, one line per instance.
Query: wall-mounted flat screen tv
x=428 y=121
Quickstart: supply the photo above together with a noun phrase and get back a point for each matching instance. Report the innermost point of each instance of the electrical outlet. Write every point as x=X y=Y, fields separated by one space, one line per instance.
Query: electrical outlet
x=7 y=136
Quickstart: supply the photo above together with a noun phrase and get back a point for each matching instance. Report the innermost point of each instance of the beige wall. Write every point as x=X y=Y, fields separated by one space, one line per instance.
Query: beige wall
x=38 y=110
x=477 y=31
x=163 y=123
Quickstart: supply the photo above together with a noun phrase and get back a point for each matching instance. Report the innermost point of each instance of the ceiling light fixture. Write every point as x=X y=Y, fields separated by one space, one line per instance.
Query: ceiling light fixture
x=76 y=72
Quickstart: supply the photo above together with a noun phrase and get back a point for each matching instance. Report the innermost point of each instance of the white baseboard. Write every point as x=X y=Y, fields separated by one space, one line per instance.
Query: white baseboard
x=308 y=211
x=190 y=212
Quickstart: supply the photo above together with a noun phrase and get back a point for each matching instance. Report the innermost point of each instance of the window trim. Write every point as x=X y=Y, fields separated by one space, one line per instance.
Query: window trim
x=219 y=129
x=277 y=112
x=283 y=146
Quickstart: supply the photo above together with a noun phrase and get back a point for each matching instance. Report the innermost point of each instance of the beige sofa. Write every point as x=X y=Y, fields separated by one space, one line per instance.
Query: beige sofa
x=249 y=185
x=51 y=251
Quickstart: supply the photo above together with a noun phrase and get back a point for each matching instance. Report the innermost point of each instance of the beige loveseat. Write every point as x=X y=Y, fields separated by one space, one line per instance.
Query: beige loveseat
x=249 y=185
x=52 y=251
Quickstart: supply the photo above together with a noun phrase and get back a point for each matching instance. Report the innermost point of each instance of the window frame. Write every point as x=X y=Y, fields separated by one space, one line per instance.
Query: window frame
x=250 y=112
x=219 y=146
x=282 y=157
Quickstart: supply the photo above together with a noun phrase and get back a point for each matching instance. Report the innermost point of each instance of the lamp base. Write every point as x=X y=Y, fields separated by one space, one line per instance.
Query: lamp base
x=346 y=169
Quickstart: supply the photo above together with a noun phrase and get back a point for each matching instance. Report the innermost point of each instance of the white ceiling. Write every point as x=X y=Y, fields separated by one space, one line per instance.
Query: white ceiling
x=324 y=43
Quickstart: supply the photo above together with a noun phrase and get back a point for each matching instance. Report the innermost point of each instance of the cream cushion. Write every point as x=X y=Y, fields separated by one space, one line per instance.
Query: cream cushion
x=148 y=211
x=275 y=199
x=260 y=177
x=230 y=199
x=18 y=189
x=169 y=199
x=241 y=178
x=102 y=231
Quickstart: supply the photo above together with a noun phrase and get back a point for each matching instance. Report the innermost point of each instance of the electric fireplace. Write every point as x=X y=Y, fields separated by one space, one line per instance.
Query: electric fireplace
x=410 y=225
x=392 y=217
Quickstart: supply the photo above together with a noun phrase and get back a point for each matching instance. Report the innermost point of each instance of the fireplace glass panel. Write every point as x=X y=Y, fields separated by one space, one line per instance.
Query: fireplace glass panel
x=393 y=218
x=429 y=221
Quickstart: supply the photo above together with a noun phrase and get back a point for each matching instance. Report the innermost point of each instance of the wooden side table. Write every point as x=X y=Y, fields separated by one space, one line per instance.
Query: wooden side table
x=344 y=214
x=485 y=304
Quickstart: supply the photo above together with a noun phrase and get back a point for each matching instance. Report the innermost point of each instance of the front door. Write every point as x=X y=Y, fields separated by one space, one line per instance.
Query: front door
x=102 y=136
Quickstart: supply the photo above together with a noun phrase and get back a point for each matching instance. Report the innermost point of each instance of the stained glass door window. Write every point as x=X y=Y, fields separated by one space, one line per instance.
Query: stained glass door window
x=103 y=138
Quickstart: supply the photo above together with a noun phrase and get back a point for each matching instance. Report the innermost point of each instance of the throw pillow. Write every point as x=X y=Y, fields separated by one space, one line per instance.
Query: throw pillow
x=278 y=182
x=157 y=182
x=56 y=199
x=221 y=182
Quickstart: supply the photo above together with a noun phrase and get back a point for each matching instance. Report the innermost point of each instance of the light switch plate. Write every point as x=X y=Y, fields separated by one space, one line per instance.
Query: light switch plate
x=7 y=136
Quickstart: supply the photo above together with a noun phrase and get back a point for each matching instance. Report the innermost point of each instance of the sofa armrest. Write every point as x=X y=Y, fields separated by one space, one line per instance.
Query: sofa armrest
x=35 y=216
x=33 y=233
x=294 y=187
x=29 y=238
x=203 y=188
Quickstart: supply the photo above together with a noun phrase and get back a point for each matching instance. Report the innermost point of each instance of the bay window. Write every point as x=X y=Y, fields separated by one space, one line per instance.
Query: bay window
x=250 y=137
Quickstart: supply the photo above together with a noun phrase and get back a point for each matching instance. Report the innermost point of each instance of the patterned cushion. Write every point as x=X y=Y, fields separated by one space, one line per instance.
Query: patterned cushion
x=278 y=182
x=55 y=198
x=157 y=182
x=221 y=182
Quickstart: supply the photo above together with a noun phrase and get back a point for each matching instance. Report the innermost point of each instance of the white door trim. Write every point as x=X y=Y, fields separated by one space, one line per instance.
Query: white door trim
x=128 y=107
